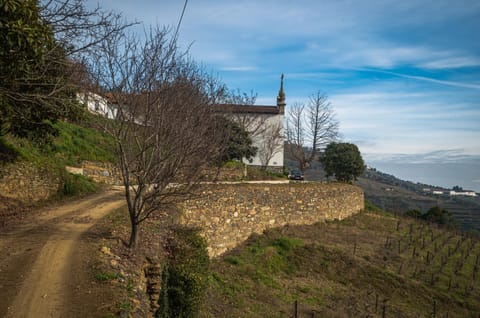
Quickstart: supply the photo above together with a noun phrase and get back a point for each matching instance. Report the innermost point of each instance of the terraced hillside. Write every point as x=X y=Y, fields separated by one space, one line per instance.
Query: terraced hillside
x=399 y=196
x=369 y=265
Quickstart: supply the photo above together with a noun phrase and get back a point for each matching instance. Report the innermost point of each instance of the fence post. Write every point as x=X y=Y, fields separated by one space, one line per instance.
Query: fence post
x=295 y=309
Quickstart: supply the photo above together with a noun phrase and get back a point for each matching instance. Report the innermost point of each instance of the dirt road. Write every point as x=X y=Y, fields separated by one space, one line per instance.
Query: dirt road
x=40 y=260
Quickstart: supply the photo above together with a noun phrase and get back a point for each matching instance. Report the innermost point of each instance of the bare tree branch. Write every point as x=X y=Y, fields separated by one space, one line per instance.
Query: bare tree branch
x=77 y=28
x=165 y=133
x=271 y=143
x=310 y=128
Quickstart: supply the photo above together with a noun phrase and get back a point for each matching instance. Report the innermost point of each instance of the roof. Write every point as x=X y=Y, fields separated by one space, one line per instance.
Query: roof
x=254 y=109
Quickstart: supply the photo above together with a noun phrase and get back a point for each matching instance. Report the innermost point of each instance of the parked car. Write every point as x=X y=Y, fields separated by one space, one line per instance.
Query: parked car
x=295 y=175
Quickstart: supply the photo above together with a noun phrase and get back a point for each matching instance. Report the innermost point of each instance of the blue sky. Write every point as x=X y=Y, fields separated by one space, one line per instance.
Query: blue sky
x=402 y=76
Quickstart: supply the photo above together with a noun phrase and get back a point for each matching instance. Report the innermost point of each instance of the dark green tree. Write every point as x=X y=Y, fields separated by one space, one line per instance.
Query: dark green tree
x=239 y=142
x=440 y=216
x=33 y=72
x=342 y=160
x=414 y=213
x=42 y=44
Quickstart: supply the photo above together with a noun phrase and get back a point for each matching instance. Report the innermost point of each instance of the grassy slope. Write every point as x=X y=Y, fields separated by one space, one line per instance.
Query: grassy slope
x=73 y=145
x=76 y=143
x=343 y=269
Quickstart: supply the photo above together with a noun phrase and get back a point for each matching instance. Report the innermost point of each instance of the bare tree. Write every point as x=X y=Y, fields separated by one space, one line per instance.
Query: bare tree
x=79 y=29
x=165 y=133
x=271 y=143
x=310 y=127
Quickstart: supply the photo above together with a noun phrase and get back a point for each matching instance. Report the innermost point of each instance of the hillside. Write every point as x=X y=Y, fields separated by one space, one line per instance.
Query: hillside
x=398 y=196
x=365 y=266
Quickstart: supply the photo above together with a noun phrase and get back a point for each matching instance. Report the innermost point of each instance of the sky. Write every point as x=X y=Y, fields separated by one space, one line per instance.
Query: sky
x=402 y=76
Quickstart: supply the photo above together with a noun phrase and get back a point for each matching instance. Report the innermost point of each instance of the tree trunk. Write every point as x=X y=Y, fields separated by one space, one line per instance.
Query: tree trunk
x=133 y=235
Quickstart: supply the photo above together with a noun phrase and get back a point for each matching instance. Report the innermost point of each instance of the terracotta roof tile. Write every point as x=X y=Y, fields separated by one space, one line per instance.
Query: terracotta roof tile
x=257 y=109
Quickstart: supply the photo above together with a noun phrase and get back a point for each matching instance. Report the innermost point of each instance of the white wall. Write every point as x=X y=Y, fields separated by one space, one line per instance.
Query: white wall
x=97 y=104
x=277 y=159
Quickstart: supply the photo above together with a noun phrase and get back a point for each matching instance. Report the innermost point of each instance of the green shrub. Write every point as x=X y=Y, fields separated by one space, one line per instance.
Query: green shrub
x=233 y=164
x=77 y=185
x=185 y=276
x=285 y=244
x=7 y=152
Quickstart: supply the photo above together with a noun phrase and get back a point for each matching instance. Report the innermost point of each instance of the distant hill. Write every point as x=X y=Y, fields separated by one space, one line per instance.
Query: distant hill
x=398 y=196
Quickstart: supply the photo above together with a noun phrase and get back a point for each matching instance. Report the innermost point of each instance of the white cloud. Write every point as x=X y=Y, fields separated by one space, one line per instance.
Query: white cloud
x=437 y=156
x=451 y=62
x=427 y=79
x=334 y=44
x=395 y=121
x=238 y=68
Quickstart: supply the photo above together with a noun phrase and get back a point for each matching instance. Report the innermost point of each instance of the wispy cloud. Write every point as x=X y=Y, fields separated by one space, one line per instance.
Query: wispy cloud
x=427 y=79
x=403 y=76
x=238 y=68
x=438 y=156
x=390 y=119
x=452 y=62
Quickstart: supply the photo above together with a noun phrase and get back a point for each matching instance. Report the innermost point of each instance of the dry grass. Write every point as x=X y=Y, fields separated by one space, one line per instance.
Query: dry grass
x=346 y=269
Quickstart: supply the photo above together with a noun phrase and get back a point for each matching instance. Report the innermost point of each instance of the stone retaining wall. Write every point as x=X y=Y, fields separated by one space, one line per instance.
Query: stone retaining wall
x=28 y=183
x=229 y=214
x=31 y=183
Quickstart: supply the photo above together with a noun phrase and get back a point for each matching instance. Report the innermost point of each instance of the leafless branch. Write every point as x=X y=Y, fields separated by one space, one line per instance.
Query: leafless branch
x=310 y=128
x=165 y=132
x=271 y=143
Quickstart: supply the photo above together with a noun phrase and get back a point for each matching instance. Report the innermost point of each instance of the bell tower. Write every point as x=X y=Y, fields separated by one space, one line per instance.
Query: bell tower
x=281 y=98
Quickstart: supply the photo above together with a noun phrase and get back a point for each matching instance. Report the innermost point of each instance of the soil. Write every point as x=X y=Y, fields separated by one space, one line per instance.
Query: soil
x=45 y=261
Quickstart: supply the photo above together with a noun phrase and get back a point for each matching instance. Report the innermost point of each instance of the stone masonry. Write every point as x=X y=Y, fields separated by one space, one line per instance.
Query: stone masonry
x=229 y=214
x=27 y=182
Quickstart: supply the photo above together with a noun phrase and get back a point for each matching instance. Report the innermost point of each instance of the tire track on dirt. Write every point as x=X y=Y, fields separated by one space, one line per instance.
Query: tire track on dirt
x=38 y=257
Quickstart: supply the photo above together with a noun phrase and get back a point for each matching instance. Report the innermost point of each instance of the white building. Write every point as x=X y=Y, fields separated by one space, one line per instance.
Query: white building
x=265 y=125
x=463 y=193
x=98 y=104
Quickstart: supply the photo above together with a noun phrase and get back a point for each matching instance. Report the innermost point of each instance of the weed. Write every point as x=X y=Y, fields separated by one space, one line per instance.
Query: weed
x=234 y=260
x=126 y=305
x=130 y=285
x=107 y=276
x=77 y=185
